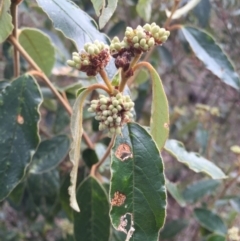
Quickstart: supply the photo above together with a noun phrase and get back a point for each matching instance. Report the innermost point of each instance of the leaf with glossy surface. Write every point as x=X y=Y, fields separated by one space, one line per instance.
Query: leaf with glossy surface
x=210 y=221
x=137 y=184
x=38 y=45
x=210 y=53
x=72 y=21
x=89 y=157
x=19 y=117
x=216 y=237
x=171 y=229
x=49 y=154
x=193 y=160
x=199 y=189
x=74 y=154
x=93 y=222
x=175 y=193
x=144 y=9
x=5 y=20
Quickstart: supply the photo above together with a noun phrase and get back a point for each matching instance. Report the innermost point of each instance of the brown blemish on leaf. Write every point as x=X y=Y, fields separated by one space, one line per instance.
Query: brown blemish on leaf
x=118 y=199
x=123 y=152
x=166 y=125
x=20 y=119
x=123 y=224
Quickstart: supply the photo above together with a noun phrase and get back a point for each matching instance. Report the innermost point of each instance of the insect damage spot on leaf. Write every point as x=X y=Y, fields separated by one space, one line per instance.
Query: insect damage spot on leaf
x=123 y=152
x=118 y=199
x=20 y=119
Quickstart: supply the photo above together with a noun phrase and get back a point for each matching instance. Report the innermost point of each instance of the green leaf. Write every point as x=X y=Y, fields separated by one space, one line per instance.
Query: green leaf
x=74 y=154
x=38 y=45
x=159 y=124
x=93 y=222
x=235 y=202
x=89 y=157
x=171 y=229
x=144 y=9
x=107 y=10
x=137 y=185
x=210 y=53
x=72 y=21
x=216 y=237
x=5 y=20
x=175 y=192
x=44 y=190
x=19 y=117
x=202 y=12
x=193 y=160
x=210 y=221
x=49 y=154
x=199 y=189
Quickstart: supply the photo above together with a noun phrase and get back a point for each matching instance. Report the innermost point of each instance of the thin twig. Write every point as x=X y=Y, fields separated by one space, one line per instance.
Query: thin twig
x=106 y=80
x=96 y=166
x=174 y=8
x=38 y=72
x=14 y=13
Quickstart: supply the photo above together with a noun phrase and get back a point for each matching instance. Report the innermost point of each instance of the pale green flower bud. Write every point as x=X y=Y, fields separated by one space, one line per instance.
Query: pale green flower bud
x=147 y=27
x=115 y=116
x=145 y=47
x=90 y=109
x=115 y=102
x=155 y=29
x=105 y=112
x=86 y=46
x=151 y=42
x=90 y=50
x=110 y=107
x=164 y=38
x=106 y=122
x=115 y=40
x=118 y=96
x=119 y=119
x=135 y=39
x=71 y=63
x=103 y=100
x=103 y=107
x=77 y=66
x=112 y=130
x=110 y=119
x=117 y=46
x=118 y=130
x=76 y=59
x=114 y=110
x=102 y=126
x=143 y=42
x=141 y=34
x=75 y=54
x=109 y=112
x=119 y=107
x=136 y=46
x=153 y=24
x=85 y=62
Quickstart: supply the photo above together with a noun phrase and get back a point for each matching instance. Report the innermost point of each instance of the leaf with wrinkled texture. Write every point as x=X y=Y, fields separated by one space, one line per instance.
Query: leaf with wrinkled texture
x=19 y=117
x=197 y=190
x=5 y=20
x=137 y=184
x=49 y=154
x=38 y=45
x=209 y=52
x=210 y=221
x=193 y=160
x=74 y=154
x=144 y=9
x=93 y=222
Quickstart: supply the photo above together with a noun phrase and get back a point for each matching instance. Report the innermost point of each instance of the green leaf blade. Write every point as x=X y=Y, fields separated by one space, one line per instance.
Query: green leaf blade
x=144 y=9
x=93 y=222
x=209 y=52
x=193 y=160
x=38 y=45
x=49 y=154
x=6 y=25
x=19 y=117
x=210 y=221
x=140 y=179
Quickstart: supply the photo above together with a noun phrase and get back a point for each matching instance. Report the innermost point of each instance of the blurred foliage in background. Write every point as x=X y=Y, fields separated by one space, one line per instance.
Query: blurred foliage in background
x=204 y=112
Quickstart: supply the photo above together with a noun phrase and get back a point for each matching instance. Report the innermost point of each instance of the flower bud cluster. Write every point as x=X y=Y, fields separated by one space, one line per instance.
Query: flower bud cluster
x=92 y=59
x=112 y=112
x=140 y=39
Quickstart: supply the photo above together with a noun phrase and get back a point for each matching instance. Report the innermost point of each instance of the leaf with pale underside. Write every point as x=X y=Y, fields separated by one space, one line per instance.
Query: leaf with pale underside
x=19 y=117
x=6 y=26
x=210 y=53
x=137 y=190
x=93 y=222
x=74 y=154
x=38 y=45
x=193 y=160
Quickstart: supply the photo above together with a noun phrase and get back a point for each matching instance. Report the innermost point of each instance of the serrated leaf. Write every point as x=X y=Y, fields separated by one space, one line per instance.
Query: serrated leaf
x=197 y=190
x=171 y=229
x=72 y=21
x=193 y=160
x=216 y=237
x=107 y=12
x=93 y=222
x=144 y=9
x=5 y=20
x=209 y=52
x=137 y=184
x=19 y=117
x=38 y=45
x=74 y=154
x=159 y=123
x=210 y=221
x=49 y=154
x=175 y=193
x=44 y=190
